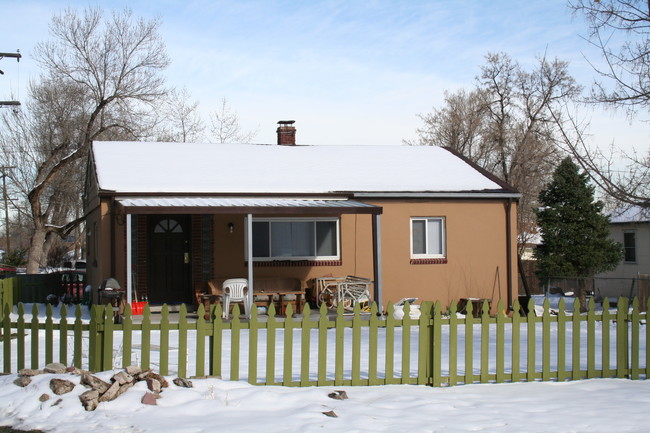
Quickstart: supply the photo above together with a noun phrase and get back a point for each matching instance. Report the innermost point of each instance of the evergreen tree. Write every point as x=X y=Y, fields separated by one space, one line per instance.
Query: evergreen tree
x=574 y=230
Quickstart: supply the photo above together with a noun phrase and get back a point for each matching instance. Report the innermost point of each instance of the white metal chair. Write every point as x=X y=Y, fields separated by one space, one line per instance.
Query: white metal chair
x=235 y=290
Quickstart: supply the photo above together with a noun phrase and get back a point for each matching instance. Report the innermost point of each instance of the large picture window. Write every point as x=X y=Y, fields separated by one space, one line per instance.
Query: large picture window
x=428 y=237
x=296 y=239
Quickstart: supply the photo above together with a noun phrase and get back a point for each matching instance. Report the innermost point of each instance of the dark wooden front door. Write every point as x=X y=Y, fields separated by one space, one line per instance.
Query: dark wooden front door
x=169 y=259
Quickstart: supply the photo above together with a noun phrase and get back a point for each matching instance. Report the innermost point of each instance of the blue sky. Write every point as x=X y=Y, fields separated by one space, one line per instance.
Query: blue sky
x=348 y=72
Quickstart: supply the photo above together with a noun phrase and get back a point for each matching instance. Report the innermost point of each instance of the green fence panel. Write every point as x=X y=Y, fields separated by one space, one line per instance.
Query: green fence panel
x=453 y=344
x=621 y=339
x=271 y=338
x=516 y=342
x=34 y=338
x=485 y=343
x=216 y=342
x=606 y=343
x=6 y=337
x=321 y=363
x=127 y=337
x=63 y=336
x=78 y=337
x=373 y=345
x=390 y=344
x=21 y=333
x=305 y=343
x=182 y=342
x=406 y=343
x=200 y=341
x=562 y=318
x=546 y=341
x=500 y=375
x=634 y=342
x=235 y=343
x=145 y=338
x=469 y=345
x=253 y=334
x=339 y=346
x=287 y=366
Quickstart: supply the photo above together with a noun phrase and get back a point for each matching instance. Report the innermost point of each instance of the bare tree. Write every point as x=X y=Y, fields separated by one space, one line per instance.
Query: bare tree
x=226 y=128
x=506 y=124
x=181 y=120
x=101 y=75
x=620 y=30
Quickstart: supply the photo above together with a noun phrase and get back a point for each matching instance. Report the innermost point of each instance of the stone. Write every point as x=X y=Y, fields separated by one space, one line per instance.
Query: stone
x=159 y=378
x=338 y=395
x=122 y=377
x=133 y=370
x=29 y=372
x=182 y=382
x=55 y=368
x=22 y=381
x=124 y=388
x=90 y=399
x=56 y=403
x=74 y=370
x=94 y=382
x=154 y=385
x=331 y=414
x=150 y=399
x=61 y=386
x=44 y=397
x=111 y=393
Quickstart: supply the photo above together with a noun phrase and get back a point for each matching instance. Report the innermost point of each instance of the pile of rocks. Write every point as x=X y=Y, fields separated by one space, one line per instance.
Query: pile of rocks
x=99 y=390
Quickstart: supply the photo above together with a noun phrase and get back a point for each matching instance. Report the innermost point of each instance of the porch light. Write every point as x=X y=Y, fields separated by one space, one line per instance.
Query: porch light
x=231 y=227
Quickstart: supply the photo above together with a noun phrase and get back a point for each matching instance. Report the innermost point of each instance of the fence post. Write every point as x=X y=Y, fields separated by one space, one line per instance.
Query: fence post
x=96 y=338
x=621 y=339
x=6 y=330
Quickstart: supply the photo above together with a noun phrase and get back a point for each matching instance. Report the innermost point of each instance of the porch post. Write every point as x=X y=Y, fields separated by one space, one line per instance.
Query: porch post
x=249 y=240
x=376 y=255
x=129 y=266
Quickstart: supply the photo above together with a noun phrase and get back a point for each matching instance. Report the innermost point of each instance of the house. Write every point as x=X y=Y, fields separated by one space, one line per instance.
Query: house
x=630 y=227
x=164 y=218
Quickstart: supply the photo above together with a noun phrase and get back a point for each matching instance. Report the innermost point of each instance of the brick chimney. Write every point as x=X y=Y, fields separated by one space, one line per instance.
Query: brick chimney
x=286 y=133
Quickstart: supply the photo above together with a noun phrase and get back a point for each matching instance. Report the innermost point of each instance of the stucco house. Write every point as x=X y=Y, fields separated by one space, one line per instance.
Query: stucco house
x=164 y=218
x=631 y=227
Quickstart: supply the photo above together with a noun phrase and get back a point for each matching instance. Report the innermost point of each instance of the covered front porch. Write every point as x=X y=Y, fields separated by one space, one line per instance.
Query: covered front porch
x=176 y=245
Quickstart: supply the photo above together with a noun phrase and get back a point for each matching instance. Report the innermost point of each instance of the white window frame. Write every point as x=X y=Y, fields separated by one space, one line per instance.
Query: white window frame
x=301 y=219
x=428 y=255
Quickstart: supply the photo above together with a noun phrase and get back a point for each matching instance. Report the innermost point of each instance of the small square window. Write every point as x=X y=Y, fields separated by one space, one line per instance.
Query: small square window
x=428 y=237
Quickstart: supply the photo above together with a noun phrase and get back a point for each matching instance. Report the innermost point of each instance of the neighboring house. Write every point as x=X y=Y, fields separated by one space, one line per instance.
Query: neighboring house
x=630 y=227
x=164 y=218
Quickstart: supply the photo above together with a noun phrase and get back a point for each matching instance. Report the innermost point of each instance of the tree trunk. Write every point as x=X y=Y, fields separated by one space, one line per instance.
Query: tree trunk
x=581 y=294
x=35 y=258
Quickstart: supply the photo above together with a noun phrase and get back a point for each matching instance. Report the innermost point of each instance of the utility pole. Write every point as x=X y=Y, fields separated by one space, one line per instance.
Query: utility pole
x=16 y=56
x=6 y=200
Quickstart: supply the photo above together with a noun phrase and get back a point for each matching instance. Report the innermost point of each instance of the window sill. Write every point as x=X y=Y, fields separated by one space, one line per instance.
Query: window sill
x=294 y=263
x=436 y=261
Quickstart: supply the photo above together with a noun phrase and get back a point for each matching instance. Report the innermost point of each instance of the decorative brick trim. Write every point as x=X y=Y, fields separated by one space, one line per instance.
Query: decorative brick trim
x=294 y=263
x=440 y=261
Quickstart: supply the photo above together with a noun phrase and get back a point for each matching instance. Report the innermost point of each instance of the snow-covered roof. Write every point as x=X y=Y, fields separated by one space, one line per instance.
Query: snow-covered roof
x=176 y=168
x=632 y=214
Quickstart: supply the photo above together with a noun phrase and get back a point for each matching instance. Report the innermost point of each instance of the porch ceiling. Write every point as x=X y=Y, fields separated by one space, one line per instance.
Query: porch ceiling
x=234 y=205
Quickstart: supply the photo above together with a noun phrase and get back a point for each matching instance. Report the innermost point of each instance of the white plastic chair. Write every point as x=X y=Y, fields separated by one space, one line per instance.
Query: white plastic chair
x=235 y=290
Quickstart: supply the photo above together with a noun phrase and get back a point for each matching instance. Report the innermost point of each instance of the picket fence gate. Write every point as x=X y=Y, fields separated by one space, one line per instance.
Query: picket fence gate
x=560 y=342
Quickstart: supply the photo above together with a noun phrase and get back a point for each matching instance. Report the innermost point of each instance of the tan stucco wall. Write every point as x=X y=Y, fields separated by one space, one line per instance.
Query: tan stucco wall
x=100 y=264
x=476 y=251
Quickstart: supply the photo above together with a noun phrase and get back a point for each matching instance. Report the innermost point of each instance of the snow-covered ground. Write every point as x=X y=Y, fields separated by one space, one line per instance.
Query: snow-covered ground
x=598 y=405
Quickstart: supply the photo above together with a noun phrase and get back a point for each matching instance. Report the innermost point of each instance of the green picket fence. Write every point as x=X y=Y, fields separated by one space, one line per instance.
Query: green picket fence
x=436 y=349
